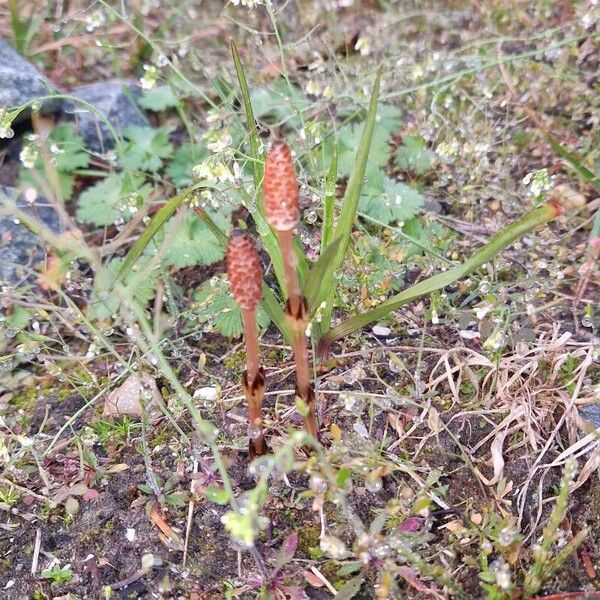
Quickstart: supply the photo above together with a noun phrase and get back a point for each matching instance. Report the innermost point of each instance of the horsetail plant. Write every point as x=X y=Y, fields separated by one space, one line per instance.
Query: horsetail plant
x=245 y=278
x=281 y=206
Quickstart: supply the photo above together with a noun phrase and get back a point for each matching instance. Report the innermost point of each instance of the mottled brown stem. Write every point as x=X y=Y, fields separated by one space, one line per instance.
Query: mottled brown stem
x=296 y=312
x=254 y=385
x=251 y=340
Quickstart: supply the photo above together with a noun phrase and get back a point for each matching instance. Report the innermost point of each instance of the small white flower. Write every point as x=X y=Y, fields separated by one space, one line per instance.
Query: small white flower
x=363 y=45
x=313 y=88
x=148 y=81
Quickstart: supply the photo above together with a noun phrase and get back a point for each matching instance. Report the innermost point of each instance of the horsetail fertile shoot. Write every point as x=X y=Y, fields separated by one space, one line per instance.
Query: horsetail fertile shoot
x=282 y=213
x=245 y=277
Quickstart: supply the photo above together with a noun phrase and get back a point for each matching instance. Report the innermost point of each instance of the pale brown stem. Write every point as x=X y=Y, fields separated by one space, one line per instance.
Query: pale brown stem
x=297 y=317
x=290 y=260
x=254 y=385
x=251 y=340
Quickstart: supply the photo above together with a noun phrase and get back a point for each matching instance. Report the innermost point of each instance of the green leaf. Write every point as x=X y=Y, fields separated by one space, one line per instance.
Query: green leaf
x=394 y=201
x=320 y=272
x=218 y=495
x=350 y=202
x=185 y=158
x=145 y=148
x=156 y=223
x=158 y=98
x=217 y=306
x=387 y=121
x=350 y=588
x=117 y=196
x=497 y=243
x=413 y=155
x=255 y=145
x=104 y=302
x=192 y=243
x=177 y=499
x=349 y=568
x=276 y=103
x=329 y=200
x=67 y=151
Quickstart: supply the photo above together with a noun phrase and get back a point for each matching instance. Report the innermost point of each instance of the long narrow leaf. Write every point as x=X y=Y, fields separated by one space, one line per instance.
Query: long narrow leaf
x=329 y=201
x=266 y=233
x=497 y=243
x=257 y=164
x=574 y=161
x=350 y=203
x=157 y=221
x=320 y=273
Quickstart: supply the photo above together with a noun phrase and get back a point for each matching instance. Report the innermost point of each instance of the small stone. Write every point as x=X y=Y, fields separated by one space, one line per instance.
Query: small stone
x=207 y=393
x=21 y=82
x=149 y=561
x=115 y=99
x=71 y=506
x=126 y=400
x=20 y=249
x=130 y=534
x=381 y=331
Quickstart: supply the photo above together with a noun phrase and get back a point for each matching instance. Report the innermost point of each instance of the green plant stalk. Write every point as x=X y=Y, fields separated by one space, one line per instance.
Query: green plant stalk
x=350 y=204
x=329 y=201
x=544 y=563
x=497 y=243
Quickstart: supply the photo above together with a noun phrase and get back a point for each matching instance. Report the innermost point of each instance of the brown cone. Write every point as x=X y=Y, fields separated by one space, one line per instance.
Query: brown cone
x=243 y=270
x=281 y=188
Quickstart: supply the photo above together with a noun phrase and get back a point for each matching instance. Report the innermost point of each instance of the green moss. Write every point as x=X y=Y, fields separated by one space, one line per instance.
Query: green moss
x=308 y=538
x=236 y=361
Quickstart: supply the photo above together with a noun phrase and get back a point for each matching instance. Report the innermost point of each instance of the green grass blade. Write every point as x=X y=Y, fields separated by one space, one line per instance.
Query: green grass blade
x=329 y=201
x=273 y=308
x=257 y=163
x=269 y=238
x=157 y=221
x=320 y=272
x=350 y=202
x=497 y=243
x=574 y=161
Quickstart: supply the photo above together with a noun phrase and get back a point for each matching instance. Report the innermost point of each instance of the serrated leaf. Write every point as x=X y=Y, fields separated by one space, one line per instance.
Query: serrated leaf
x=350 y=588
x=145 y=148
x=191 y=243
x=393 y=201
x=118 y=195
x=217 y=306
x=185 y=158
x=279 y=103
x=158 y=98
x=218 y=495
x=177 y=499
x=68 y=153
x=388 y=120
x=413 y=155
x=104 y=302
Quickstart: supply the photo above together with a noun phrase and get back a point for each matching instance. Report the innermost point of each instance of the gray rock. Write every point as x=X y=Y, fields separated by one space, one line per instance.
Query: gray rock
x=115 y=99
x=20 y=249
x=21 y=82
